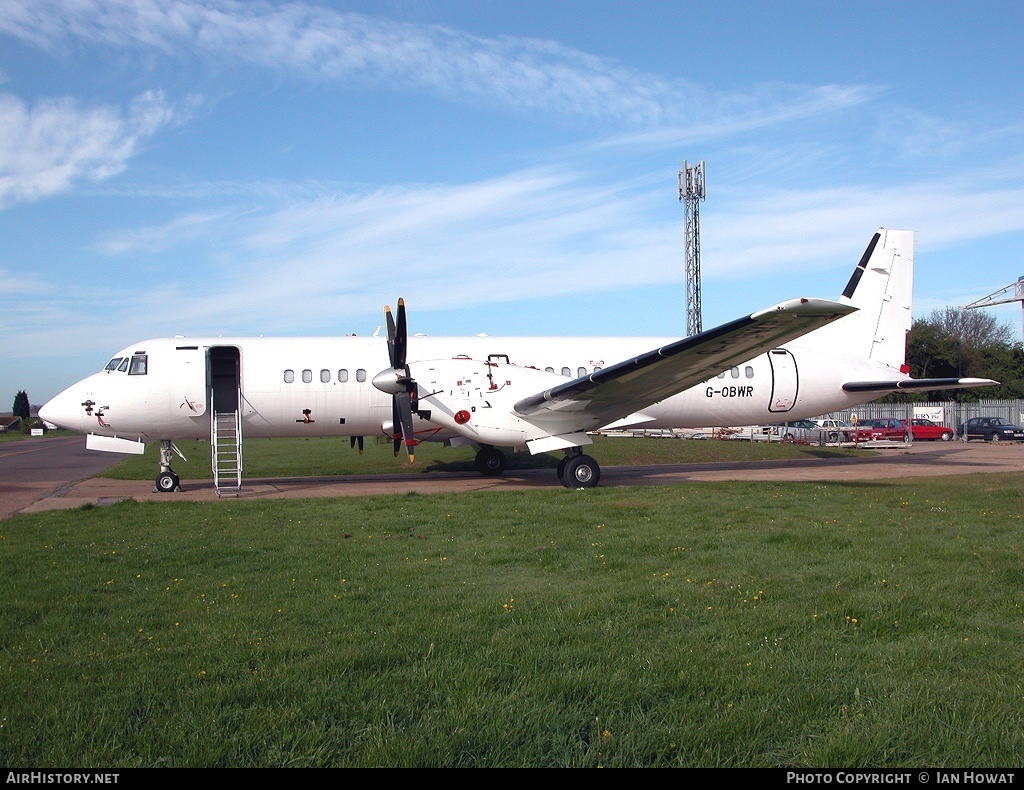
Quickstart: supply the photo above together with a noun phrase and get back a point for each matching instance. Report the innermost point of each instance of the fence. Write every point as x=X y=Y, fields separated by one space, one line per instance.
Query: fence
x=947 y=413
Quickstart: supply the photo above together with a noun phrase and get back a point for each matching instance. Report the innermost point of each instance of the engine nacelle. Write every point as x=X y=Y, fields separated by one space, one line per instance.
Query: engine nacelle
x=474 y=398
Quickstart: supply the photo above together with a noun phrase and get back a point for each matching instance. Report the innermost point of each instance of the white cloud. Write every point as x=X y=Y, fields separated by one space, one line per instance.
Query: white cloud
x=55 y=144
x=524 y=75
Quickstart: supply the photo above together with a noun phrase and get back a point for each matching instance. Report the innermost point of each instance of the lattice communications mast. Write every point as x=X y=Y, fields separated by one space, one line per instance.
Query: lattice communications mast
x=691 y=192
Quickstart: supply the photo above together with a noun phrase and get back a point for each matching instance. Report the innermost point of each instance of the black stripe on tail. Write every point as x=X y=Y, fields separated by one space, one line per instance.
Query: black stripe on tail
x=859 y=271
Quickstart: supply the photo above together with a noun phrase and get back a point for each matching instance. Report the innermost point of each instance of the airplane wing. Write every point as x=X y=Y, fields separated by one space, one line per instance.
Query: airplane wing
x=622 y=389
x=898 y=385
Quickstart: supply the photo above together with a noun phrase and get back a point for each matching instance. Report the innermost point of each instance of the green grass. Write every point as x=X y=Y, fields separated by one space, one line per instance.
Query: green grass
x=304 y=457
x=720 y=624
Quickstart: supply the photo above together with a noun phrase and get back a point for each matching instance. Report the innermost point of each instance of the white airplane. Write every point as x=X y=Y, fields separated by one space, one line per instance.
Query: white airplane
x=800 y=358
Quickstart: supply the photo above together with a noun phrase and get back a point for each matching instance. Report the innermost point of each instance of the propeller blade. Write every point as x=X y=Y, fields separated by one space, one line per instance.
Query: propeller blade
x=398 y=381
x=401 y=336
x=396 y=425
x=404 y=408
x=353 y=441
x=392 y=331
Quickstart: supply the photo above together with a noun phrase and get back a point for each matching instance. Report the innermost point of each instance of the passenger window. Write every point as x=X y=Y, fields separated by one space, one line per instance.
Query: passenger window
x=139 y=365
x=289 y=376
x=567 y=373
x=343 y=375
x=360 y=375
x=325 y=376
x=549 y=369
x=307 y=376
x=749 y=371
x=735 y=373
x=581 y=372
x=112 y=365
x=721 y=375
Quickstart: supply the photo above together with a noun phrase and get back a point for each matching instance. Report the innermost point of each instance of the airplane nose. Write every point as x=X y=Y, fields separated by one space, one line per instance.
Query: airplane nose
x=63 y=410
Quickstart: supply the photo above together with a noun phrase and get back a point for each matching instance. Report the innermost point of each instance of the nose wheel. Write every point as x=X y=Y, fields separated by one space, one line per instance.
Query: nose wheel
x=167 y=482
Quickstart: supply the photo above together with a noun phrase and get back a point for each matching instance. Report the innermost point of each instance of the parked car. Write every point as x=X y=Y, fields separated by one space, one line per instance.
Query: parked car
x=926 y=430
x=991 y=429
x=836 y=430
x=887 y=428
x=803 y=431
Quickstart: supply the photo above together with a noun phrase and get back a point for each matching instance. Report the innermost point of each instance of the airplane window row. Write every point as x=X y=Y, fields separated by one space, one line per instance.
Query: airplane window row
x=135 y=365
x=567 y=371
x=748 y=371
x=343 y=374
x=325 y=376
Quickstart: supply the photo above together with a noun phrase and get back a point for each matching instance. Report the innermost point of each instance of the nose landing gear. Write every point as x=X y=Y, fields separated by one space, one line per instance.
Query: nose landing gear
x=167 y=481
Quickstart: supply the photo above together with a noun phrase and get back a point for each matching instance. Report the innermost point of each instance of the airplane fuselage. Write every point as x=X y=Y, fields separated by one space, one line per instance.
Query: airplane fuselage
x=166 y=388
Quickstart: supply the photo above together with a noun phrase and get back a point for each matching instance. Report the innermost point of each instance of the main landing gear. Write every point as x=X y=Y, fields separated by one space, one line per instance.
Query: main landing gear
x=576 y=470
x=167 y=481
x=490 y=461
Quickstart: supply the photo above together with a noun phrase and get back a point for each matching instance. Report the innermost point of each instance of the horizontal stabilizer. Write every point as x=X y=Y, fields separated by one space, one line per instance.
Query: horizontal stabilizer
x=900 y=385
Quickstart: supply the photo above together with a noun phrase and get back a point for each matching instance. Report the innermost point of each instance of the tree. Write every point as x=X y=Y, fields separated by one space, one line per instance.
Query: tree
x=21 y=406
x=954 y=342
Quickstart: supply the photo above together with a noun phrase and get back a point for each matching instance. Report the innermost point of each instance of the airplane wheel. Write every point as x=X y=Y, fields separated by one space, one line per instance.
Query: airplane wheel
x=560 y=471
x=167 y=482
x=581 y=471
x=490 y=461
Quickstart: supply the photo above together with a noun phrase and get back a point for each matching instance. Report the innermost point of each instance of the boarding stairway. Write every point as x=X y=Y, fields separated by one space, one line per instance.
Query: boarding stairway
x=226 y=448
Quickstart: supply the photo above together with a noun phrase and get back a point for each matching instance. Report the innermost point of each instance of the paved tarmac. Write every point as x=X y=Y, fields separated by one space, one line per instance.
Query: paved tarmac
x=922 y=459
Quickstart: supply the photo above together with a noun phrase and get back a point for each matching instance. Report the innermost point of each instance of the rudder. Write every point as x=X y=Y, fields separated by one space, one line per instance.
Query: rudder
x=881 y=288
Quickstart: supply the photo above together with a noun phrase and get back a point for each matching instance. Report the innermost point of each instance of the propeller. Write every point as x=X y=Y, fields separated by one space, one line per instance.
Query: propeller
x=354 y=440
x=398 y=381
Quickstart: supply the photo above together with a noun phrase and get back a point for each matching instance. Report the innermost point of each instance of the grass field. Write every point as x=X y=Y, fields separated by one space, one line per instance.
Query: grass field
x=721 y=624
x=316 y=456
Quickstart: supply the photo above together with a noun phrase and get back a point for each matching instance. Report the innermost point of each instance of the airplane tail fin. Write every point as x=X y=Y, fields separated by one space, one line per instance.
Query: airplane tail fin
x=881 y=288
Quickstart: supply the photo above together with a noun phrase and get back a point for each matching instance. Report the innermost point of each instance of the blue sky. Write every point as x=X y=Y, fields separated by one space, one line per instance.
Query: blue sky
x=288 y=168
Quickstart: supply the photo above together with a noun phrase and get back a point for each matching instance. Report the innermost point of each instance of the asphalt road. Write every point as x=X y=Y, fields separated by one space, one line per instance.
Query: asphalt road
x=60 y=473
x=38 y=467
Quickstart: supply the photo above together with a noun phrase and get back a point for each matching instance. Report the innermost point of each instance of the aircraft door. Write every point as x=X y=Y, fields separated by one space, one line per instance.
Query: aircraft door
x=785 y=380
x=185 y=380
x=225 y=378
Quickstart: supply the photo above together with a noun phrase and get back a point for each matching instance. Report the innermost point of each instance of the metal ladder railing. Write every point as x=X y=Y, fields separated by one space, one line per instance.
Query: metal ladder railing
x=226 y=448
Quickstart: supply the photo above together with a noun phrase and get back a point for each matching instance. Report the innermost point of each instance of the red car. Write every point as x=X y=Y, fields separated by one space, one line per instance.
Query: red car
x=927 y=430
x=886 y=428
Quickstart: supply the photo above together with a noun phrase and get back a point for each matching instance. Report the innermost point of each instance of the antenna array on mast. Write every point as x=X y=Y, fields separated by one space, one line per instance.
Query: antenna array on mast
x=1011 y=293
x=691 y=192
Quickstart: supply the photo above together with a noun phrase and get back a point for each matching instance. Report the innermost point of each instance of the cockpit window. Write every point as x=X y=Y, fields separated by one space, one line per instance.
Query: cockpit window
x=139 y=364
x=124 y=365
x=112 y=365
